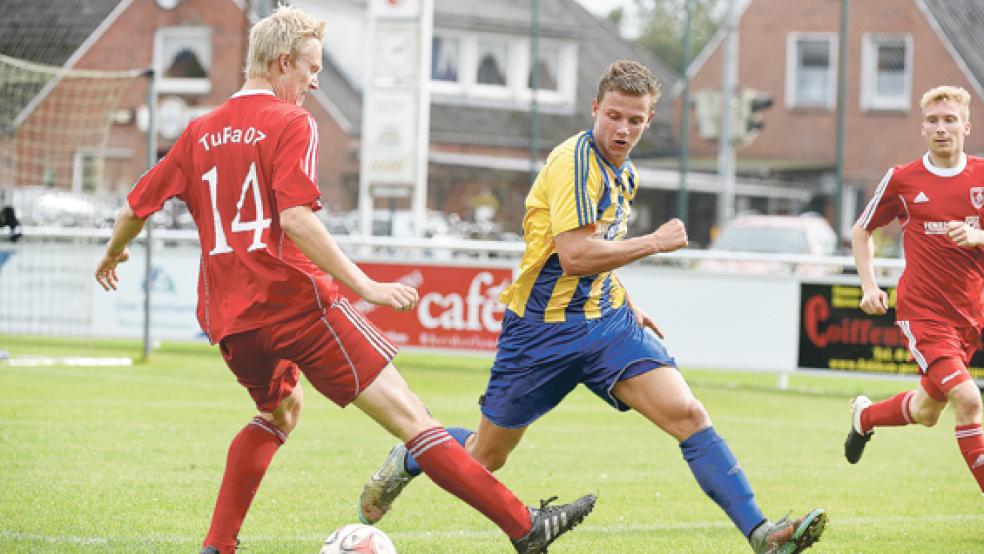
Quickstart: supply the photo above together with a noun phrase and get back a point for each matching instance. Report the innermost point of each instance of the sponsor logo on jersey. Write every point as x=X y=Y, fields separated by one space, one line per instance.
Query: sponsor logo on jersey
x=921 y=198
x=977 y=197
x=934 y=227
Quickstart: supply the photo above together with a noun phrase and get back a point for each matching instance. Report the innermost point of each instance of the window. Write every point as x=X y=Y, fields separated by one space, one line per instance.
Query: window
x=486 y=69
x=548 y=67
x=182 y=59
x=810 y=70
x=85 y=172
x=886 y=76
x=493 y=57
x=445 y=53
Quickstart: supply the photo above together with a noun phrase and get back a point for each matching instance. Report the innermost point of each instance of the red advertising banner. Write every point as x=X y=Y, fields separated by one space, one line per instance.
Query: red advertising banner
x=459 y=306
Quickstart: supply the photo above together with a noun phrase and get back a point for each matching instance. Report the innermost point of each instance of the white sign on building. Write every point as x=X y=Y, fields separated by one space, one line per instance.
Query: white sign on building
x=396 y=107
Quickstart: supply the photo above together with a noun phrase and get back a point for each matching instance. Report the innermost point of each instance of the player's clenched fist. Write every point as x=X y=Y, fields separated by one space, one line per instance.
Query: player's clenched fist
x=670 y=236
x=874 y=302
x=964 y=235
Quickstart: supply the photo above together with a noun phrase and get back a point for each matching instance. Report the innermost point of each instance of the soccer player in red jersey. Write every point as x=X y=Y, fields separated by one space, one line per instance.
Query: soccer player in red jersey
x=248 y=173
x=939 y=201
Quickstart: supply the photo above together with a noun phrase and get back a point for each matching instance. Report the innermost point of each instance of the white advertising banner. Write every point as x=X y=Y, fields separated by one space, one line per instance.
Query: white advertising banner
x=173 y=297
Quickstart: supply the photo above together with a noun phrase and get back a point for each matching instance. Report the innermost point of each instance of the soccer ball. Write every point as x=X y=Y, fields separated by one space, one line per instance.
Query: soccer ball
x=358 y=539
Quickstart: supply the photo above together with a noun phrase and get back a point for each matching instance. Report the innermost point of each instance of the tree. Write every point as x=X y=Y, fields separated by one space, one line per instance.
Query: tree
x=661 y=26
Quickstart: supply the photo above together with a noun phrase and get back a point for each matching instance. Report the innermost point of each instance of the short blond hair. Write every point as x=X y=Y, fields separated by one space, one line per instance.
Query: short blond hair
x=282 y=32
x=948 y=92
x=631 y=78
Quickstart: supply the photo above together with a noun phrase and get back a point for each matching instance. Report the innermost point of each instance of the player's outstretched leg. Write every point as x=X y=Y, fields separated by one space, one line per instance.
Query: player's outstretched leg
x=788 y=536
x=389 y=480
x=550 y=522
x=856 y=437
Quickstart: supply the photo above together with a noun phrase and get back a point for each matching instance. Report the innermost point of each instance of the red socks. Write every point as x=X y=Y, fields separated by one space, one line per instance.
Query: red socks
x=971 y=443
x=452 y=469
x=888 y=413
x=249 y=457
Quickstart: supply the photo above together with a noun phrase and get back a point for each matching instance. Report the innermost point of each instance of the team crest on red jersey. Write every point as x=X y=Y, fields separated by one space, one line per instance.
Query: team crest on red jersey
x=977 y=197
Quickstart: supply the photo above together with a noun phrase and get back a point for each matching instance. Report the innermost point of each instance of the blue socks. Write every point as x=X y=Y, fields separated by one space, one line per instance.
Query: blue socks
x=459 y=434
x=721 y=477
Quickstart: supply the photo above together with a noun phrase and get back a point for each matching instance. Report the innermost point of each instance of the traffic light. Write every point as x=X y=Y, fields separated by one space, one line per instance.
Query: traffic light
x=749 y=120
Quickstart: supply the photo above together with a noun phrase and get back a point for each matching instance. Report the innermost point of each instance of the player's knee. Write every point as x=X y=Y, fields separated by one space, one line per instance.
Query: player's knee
x=286 y=416
x=696 y=415
x=492 y=460
x=966 y=407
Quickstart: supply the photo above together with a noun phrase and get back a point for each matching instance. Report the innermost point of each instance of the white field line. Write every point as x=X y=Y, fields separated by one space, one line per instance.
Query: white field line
x=583 y=529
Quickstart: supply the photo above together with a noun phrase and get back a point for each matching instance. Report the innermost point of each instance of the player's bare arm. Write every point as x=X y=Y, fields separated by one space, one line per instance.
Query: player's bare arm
x=964 y=235
x=874 y=301
x=126 y=228
x=311 y=237
x=582 y=254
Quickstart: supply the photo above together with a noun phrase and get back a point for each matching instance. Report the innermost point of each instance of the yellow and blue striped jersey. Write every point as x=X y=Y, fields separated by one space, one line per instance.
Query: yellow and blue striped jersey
x=576 y=187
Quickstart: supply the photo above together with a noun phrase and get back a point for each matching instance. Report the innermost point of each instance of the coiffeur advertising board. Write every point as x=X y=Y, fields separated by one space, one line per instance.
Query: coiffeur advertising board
x=459 y=306
x=835 y=334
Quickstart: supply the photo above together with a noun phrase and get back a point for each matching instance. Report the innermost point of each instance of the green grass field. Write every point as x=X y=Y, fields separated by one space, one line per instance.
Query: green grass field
x=129 y=459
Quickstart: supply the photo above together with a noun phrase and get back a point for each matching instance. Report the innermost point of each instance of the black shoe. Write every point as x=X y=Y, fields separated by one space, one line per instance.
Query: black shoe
x=550 y=522
x=856 y=439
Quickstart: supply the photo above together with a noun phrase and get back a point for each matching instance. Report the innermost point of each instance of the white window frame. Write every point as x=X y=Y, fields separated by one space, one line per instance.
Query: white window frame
x=85 y=159
x=182 y=86
x=869 y=69
x=516 y=93
x=793 y=67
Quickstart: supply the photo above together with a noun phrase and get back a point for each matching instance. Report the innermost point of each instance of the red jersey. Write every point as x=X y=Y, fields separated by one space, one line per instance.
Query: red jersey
x=942 y=282
x=236 y=168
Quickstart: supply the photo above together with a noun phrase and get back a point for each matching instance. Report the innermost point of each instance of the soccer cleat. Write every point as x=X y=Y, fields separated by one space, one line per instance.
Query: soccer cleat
x=550 y=522
x=789 y=537
x=856 y=437
x=384 y=486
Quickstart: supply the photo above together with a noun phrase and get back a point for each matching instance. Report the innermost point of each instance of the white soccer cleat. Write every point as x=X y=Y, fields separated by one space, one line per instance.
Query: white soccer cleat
x=857 y=439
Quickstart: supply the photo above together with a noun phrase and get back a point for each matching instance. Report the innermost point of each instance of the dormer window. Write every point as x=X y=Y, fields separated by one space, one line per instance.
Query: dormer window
x=182 y=59
x=486 y=69
x=493 y=58
x=445 y=57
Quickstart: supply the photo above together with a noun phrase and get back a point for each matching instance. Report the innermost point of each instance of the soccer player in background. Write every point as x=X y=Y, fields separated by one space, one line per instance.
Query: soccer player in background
x=939 y=200
x=248 y=173
x=569 y=320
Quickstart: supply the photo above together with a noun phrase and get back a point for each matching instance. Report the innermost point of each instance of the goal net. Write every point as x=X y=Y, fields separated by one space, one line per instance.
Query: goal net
x=54 y=124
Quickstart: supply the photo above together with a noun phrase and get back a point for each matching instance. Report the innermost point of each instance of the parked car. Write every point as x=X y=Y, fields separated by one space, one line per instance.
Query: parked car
x=808 y=234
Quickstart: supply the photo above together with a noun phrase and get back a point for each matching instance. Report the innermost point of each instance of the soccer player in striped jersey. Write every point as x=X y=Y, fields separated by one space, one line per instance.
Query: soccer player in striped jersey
x=248 y=173
x=570 y=321
x=939 y=201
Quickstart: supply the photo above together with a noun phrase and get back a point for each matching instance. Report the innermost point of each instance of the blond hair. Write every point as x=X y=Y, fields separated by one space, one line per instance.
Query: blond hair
x=629 y=77
x=282 y=32
x=948 y=92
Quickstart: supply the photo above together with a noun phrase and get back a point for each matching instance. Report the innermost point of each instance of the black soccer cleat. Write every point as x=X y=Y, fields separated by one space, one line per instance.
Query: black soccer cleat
x=856 y=438
x=550 y=522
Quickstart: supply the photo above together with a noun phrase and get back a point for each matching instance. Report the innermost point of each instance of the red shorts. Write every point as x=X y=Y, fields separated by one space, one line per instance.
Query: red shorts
x=338 y=350
x=930 y=342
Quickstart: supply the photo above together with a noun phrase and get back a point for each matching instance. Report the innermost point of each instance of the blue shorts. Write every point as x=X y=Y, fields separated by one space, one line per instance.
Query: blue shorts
x=538 y=363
